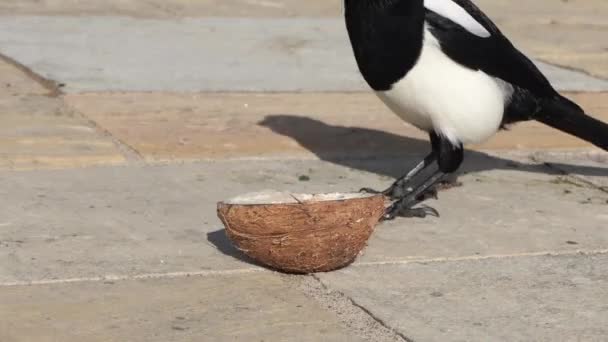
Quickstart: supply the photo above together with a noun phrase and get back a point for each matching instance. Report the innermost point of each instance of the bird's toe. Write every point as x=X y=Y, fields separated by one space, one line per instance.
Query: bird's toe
x=397 y=210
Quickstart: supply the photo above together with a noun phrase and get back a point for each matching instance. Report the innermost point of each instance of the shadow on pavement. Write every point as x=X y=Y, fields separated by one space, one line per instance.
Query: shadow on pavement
x=333 y=143
x=219 y=239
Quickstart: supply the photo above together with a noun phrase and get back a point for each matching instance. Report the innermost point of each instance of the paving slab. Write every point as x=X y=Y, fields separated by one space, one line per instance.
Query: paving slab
x=566 y=33
x=550 y=30
x=112 y=221
x=570 y=162
x=200 y=54
x=164 y=127
x=208 y=54
x=544 y=298
x=39 y=131
x=129 y=221
x=540 y=11
x=560 y=43
x=500 y=205
x=172 y=8
x=256 y=307
x=16 y=82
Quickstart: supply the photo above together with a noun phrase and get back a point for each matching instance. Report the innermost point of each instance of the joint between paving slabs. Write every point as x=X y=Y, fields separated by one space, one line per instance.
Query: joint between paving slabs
x=127 y=151
x=427 y=261
x=570 y=177
x=350 y=313
x=289 y=278
x=574 y=69
x=53 y=88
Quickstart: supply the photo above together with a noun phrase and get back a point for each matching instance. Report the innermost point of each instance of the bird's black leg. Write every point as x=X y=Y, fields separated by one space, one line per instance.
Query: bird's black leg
x=399 y=188
x=450 y=157
x=405 y=206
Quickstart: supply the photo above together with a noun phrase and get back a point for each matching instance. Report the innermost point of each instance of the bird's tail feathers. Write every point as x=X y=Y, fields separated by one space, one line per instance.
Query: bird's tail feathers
x=564 y=115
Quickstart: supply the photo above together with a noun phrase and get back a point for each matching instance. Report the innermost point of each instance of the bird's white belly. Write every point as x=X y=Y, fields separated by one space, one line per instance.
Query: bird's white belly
x=461 y=104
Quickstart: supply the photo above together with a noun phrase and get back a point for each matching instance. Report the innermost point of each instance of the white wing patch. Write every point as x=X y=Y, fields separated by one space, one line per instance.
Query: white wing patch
x=457 y=14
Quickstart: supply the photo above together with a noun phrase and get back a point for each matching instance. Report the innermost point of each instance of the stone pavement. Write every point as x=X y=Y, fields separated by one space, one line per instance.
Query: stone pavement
x=125 y=122
x=193 y=54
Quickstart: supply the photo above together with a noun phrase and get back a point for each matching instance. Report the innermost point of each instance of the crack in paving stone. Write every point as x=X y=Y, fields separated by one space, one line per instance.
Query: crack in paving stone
x=588 y=183
x=302 y=283
x=570 y=178
x=114 y=278
x=350 y=313
x=572 y=68
x=482 y=257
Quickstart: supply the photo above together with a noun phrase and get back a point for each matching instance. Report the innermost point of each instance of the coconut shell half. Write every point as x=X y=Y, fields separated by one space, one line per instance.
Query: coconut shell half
x=307 y=235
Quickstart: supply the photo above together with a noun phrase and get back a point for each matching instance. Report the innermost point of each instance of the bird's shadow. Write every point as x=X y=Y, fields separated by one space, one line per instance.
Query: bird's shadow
x=336 y=144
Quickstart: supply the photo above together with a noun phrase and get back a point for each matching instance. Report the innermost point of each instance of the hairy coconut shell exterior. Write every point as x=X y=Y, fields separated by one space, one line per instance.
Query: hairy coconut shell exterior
x=304 y=237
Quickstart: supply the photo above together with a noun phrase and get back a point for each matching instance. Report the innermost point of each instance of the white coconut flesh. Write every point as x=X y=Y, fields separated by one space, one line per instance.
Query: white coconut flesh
x=282 y=197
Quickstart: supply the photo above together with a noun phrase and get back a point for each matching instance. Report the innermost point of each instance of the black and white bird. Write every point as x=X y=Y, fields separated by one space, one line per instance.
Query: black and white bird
x=444 y=67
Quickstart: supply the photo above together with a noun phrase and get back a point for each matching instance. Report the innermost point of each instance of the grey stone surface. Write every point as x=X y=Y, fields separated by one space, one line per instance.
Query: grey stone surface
x=119 y=221
x=572 y=162
x=562 y=298
x=257 y=307
x=209 y=54
x=503 y=208
x=135 y=220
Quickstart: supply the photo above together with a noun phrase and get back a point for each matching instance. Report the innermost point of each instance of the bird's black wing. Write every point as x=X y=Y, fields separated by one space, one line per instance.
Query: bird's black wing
x=493 y=54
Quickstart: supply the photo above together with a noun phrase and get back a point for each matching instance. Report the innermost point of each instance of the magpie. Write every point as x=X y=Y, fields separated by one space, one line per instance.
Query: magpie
x=446 y=68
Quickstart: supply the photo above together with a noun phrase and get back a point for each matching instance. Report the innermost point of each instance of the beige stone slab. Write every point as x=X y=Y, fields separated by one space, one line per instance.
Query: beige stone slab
x=251 y=307
x=165 y=127
x=534 y=135
x=197 y=126
x=39 y=132
x=16 y=81
x=562 y=40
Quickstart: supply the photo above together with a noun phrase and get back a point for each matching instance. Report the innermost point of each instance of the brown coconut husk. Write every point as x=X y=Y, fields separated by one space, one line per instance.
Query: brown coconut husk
x=303 y=237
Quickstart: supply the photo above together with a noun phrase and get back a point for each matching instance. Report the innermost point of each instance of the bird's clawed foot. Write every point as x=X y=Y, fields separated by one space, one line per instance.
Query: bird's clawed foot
x=399 y=209
x=395 y=193
x=405 y=210
x=404 y=206
x=373 y=191
x=398 y=190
